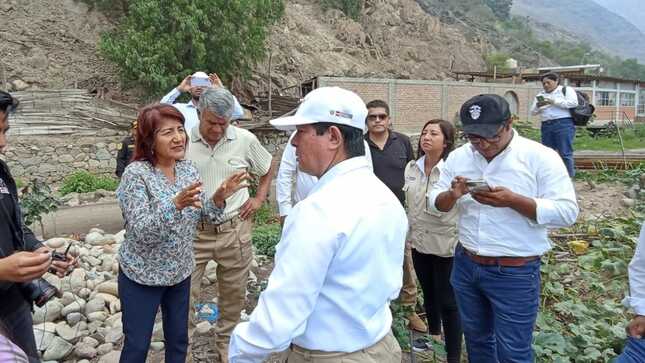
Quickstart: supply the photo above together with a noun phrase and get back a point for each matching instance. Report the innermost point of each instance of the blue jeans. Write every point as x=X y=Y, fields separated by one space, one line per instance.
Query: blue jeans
x=634 y=351
x=498 y=306
x=139 y=307
x=558 y=134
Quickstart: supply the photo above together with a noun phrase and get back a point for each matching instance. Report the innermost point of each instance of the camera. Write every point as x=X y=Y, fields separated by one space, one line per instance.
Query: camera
x=39 y=291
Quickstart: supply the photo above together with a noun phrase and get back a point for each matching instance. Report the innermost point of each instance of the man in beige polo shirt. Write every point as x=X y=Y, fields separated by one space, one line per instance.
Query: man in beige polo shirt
x=219 y=149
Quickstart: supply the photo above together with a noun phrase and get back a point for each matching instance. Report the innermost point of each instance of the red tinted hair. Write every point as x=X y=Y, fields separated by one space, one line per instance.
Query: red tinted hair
x=148 y=123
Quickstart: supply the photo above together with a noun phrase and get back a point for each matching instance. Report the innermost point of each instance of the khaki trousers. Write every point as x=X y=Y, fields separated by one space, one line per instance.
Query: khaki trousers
x=387 y=350
x=408 y=294
x=230 y=246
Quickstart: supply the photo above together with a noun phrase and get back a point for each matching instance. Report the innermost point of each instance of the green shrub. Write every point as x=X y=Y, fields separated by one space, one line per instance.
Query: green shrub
x=351 y=8
x=37 y=200
x=82 y=181
x=265 y=237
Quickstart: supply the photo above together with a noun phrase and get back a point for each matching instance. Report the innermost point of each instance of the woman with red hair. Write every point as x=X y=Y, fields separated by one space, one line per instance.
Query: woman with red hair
x=162 y=201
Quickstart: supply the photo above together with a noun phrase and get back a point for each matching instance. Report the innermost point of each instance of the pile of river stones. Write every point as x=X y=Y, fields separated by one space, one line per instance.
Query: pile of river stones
x=84 y=324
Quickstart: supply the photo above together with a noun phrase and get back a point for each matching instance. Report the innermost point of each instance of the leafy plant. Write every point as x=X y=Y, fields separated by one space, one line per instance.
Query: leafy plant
x=266 y=237
x=265 y=215
x=351 y=8
x=497 y=61
x=37 y=200
x=159 y=43
x=82 y=181
x=400 y=324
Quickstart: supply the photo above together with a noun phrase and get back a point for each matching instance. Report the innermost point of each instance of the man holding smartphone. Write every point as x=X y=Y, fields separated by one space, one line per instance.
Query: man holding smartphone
x=23 y=257
x=502 y=229
x=195 y=85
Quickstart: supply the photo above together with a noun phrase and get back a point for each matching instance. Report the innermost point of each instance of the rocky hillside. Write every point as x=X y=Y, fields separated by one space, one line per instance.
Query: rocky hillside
x=52 y=43
x=632 y=10
x=589 y=21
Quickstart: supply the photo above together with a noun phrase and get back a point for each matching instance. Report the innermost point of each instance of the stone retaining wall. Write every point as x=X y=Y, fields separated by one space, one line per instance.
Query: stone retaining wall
x=52 y=158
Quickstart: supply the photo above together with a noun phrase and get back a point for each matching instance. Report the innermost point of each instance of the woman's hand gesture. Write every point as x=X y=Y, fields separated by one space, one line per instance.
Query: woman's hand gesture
x=189 y=196
x=229 y=186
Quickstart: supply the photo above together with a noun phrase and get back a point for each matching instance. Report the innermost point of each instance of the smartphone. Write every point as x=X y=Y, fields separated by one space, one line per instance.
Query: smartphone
x=200 y=82
x=476 y=185
x=540 y=99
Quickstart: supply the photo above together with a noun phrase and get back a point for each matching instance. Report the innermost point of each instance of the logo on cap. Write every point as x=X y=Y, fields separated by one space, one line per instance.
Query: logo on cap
x=340 y=114
x=475 y=111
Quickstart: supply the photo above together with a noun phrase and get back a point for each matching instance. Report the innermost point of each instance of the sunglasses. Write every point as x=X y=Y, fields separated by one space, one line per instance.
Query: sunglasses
x=375 y=117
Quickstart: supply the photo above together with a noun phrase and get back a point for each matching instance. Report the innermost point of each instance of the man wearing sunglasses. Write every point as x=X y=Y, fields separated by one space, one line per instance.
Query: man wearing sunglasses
x=391 y=151
x=523 y=188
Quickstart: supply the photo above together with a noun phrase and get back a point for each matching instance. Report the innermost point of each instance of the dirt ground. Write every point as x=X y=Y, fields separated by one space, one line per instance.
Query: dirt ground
x=595 y=200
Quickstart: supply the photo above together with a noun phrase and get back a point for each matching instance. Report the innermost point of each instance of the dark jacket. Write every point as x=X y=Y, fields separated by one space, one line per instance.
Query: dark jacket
x=22 y=240
x=124 y=157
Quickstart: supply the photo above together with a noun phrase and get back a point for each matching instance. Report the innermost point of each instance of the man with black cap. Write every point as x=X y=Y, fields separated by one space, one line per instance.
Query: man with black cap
x=339 y=261
x=508 y=190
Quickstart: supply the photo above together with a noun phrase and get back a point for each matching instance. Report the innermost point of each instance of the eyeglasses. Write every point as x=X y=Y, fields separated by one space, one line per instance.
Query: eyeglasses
x=476 y=139
x=374 y=117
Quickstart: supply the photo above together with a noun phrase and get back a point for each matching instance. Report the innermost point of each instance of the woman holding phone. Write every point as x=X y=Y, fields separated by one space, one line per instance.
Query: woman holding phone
x=162 y=201
x=433 y=236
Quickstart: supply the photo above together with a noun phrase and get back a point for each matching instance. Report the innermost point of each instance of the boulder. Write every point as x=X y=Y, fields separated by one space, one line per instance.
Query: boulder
x=202 y=328
x=97 y=316
x=95 y=305
x=90 y=341
x=112 y=357
x=73 y=318
x=67 y=298
x=85 y=351
x=58 y=349
x=56 y=242
x=44 y=334
x=109 y=287
x=49 y=312
x=157 y=346
x=116 y=318
x=105 y=348
x=119 y=237
x=77 y=280
x=94 y=239
x=75 y=307
x=114 y=335
x=70 y=334
x=115 y=307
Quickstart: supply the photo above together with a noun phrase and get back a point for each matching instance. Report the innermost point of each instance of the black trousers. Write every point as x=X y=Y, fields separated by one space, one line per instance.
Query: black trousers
x=439 y=301
x=20 y=328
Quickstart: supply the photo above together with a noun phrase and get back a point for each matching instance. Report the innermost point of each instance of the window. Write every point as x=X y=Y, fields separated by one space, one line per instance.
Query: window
x=604 y=98
x=627 y=99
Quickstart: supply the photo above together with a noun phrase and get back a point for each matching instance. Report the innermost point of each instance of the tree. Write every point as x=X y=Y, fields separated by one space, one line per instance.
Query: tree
x=160 y=42
x=497 y=61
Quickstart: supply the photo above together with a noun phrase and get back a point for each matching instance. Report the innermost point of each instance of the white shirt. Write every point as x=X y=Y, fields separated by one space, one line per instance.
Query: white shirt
x=285 y=195
x=559 y=108
x=337 y=267
x=189 y=110
x=525 y=167
x=636 y=300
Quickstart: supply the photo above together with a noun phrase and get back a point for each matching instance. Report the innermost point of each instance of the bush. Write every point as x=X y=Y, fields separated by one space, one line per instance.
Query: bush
x=266 y=237
x=351 y=8
x=82 y=181
x=37 y=200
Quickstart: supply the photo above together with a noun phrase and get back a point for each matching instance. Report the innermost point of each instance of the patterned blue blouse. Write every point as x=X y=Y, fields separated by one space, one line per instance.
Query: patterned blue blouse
x=158 y=246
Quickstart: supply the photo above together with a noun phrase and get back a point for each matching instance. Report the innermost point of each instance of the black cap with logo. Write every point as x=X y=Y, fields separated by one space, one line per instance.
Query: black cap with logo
x=483 y=115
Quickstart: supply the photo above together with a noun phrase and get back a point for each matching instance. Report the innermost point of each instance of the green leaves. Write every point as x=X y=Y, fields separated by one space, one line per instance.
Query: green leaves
x=82 y=181
x=159 y=43
x=37 y=200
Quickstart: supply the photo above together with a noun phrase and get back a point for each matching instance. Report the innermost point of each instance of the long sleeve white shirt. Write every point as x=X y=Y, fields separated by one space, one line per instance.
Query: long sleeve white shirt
x=636 y=298
x=189 y=110
x=286 y=195
x=526 y=168
x=337 y=267
x=560 y=107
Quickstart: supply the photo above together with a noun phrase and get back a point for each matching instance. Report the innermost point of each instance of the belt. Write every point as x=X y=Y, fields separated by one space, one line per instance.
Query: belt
x=506 y=261
x=205 y=225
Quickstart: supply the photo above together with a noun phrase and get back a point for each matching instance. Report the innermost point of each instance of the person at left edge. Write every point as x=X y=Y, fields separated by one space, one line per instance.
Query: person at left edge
x=189 y=109
x=161 y=198
x=126 y=150
x=23 y=257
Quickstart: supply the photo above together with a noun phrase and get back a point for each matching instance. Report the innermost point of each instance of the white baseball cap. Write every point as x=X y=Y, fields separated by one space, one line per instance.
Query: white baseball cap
x=327 y=104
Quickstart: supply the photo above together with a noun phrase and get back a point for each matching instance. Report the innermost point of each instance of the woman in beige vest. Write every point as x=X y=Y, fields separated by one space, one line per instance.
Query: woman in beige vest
x=433 y=236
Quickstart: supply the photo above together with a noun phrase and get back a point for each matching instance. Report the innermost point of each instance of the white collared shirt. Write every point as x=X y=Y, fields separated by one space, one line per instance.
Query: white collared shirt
x=636 y=300
x=525 y=167
x=337 y=267
x=286 y=195
x=189 y=110
x=560 y=107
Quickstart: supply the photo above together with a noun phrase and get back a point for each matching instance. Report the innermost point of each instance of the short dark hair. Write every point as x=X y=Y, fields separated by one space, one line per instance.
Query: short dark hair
x=352 y=137
x=147 y=124
x=448 y=131
x=551 y=75
x=8 y=102
x=378 y=103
